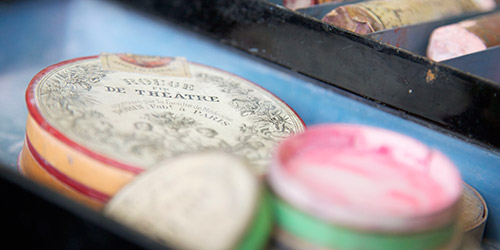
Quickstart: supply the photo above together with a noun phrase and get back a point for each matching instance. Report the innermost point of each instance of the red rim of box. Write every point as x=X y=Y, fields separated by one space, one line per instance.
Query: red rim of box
x=68 y=181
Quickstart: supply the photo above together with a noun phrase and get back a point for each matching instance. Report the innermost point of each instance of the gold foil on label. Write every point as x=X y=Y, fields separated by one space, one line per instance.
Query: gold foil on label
x=142 y=119
x=201 y=201
x=155 y=65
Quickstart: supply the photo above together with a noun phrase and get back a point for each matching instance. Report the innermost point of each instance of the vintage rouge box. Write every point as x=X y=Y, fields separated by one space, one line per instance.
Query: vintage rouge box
x=96 y=122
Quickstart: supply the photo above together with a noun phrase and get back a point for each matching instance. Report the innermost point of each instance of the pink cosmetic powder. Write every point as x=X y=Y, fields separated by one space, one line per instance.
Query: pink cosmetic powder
x=453 y=41
x=367 y=178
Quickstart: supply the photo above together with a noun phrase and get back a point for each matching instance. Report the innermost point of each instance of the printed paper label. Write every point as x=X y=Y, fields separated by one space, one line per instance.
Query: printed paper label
x=142 y=119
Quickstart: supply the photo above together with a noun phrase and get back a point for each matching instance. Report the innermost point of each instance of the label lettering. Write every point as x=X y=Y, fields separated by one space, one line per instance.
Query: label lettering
x=115 y=89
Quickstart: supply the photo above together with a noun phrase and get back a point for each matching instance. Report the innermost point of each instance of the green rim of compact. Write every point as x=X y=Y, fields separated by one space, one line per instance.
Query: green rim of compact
x=332 y=236
x=260 y=229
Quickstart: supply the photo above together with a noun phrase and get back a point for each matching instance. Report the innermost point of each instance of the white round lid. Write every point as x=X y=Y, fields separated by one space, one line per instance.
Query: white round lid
x=203 y=201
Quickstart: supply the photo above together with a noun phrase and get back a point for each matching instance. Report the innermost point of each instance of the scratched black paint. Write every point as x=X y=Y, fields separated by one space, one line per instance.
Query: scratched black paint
x=461 y=103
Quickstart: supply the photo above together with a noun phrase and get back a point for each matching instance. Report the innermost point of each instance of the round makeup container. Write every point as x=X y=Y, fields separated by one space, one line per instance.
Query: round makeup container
x=96 y=122
x=203 y=201
x=346 y=187
x=473 y=216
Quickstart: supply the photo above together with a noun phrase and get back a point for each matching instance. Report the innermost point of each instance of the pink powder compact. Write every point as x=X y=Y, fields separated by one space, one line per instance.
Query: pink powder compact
x=365 y=179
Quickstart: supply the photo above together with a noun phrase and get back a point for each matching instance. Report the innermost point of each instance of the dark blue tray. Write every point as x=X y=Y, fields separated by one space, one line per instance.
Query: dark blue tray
x=325 y=74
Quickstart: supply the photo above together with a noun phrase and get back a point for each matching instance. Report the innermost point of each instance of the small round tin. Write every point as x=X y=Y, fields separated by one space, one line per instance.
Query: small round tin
x=205 y=201
x=96 y=122
x=347 y=187
x=473 y=215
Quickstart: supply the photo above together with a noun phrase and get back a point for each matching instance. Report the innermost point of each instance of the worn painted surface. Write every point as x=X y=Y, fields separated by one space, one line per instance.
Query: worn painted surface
x=38 y=34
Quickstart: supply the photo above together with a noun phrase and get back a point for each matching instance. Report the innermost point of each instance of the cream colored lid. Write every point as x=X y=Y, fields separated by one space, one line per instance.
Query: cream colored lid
x=203 y=201
x=140 y=110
